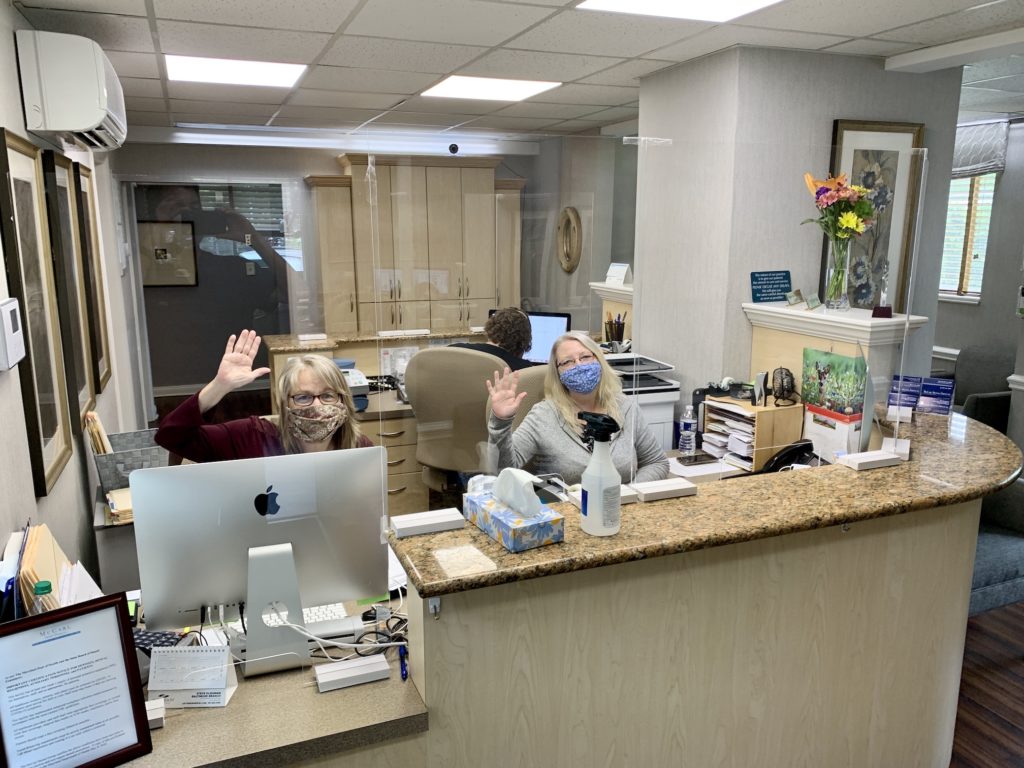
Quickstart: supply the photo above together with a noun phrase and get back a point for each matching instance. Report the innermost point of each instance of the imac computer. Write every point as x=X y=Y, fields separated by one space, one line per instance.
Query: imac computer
x=545 y=327
x=195 y=525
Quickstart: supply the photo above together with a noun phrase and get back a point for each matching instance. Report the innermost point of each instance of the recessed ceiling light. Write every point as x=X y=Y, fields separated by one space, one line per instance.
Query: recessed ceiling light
x=696 y=10
x=489 y=88
x=194 y=69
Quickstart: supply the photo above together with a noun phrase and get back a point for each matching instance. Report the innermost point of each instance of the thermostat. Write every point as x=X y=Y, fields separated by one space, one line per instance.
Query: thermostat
x=12 y=340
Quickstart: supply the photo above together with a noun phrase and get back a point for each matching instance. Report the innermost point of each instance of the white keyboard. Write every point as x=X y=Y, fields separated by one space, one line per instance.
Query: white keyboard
x=329 y=620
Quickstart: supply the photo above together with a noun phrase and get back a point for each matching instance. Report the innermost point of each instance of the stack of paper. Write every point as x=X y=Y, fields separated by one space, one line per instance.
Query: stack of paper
x=96 y=434
x=729 y=433
x=44 y=560
x=120 y=503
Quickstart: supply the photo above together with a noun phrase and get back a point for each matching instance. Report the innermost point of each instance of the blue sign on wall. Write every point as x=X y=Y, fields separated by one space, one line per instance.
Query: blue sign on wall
x=770 y=286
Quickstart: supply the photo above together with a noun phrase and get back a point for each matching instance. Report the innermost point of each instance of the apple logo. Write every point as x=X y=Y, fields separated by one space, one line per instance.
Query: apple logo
x=266 y=503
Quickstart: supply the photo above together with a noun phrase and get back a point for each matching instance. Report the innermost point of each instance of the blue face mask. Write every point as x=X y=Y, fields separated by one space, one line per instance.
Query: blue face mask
x=582 y=378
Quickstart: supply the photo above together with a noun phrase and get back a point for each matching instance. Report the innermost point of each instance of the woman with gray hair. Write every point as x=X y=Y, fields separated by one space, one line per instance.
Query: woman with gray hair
x=313 y=400
x=550 y=437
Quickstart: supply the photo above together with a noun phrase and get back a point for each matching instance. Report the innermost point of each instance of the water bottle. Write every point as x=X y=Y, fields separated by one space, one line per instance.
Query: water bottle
x=688 y=432
x=39 y=592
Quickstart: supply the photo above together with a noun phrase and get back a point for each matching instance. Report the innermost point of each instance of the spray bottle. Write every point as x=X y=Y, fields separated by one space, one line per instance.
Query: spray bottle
x=602 y=498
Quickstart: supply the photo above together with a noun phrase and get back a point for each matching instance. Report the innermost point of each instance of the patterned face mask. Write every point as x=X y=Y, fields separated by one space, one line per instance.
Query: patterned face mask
x=315 y=423
x=582 y=378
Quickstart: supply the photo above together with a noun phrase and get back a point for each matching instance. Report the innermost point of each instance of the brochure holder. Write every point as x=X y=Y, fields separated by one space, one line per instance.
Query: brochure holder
x=273 y=585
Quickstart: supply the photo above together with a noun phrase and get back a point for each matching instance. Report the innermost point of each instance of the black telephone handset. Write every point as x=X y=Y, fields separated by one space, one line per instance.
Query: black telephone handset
x=800 y=452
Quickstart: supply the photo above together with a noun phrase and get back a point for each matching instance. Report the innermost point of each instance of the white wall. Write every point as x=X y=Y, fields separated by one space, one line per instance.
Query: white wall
x=727 y=197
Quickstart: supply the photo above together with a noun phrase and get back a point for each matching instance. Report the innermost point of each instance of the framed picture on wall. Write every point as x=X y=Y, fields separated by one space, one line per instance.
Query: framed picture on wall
x=69 y=269
x=167 y=251
x=92 y=260
x=879 y=156
x=30 y=279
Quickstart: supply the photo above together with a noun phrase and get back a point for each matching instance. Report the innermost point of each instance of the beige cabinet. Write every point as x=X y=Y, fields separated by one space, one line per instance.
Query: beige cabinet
x=332 y=198
x=394 y=315
x=508 y=195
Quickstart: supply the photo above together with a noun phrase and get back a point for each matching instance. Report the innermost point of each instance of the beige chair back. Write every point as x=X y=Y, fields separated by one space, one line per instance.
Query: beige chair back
x=448 y=394
x=531 y=381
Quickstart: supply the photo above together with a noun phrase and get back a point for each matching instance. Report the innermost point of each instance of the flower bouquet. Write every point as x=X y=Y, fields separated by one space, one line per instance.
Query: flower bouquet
x=844 y=212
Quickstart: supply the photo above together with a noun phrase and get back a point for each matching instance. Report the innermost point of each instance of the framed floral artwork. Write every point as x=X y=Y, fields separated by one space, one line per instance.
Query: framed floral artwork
x=92 y=259
x=65 y=244
x=30 y=279
x=880 y=157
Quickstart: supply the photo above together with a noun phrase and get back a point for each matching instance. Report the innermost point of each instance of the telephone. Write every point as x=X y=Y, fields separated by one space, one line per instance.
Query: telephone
x=357 y=381
x=800 y=452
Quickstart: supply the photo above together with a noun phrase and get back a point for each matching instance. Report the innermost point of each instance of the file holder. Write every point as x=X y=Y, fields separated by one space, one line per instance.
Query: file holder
x=273 y=581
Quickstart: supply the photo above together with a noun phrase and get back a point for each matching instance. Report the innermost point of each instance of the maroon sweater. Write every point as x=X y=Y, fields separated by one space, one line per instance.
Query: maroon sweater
x=185 y=432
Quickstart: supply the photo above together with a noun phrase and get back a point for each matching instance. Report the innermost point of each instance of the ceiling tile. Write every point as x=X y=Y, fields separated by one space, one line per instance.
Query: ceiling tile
x=985 y=70
x=986 y=98
x=1014 y=83
x=224 y=108
x=137 y=86
x=970 y=116
x=604 y=95
x=134 y=64
x=462 y=106
x=445 y=21
x=310 y=15
x=370 y=80
x=144 y=104
x=608 y=34
x=550 y=3
x=553 y=111
x=405 y=55
x=423 y=118
x=251 y=94
x=532 y=65
x=983 y=20
x=867 y=17
x=247 y=43
x=118 y=33
x=573 y=126
x=628 y=74
x=122 y=7
x=318 y=115
x=147 y=118
x=218 y=118
x=513 y=123
x=313 y=98
x=868 y=47
x=726 y=36
x=323 y=123
x=615 y=114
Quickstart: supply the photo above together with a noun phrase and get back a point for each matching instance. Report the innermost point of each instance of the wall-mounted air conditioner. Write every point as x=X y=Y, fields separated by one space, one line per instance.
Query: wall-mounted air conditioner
x=69 y=89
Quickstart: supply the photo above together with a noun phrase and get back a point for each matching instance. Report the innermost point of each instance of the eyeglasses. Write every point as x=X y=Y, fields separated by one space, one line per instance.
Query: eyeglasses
x=572 y=362
x=326 y=398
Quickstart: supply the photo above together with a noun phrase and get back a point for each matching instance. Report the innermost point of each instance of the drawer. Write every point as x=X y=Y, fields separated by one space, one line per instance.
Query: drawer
x=388 y=432
x=402 y=459
x=406 y=493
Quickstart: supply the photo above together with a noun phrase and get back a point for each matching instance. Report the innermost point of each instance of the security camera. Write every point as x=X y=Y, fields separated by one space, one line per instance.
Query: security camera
x=453 y=148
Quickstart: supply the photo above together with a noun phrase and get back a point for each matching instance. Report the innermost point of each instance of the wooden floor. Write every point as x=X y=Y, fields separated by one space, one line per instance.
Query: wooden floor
x=990 y=715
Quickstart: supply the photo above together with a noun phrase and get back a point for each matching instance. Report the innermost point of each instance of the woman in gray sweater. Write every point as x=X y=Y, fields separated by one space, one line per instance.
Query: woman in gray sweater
x=550 y=438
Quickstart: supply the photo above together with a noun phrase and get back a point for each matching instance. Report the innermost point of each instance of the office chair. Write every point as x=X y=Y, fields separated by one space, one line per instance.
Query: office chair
x=448 y=394
x=981 y=390
x=531 y=381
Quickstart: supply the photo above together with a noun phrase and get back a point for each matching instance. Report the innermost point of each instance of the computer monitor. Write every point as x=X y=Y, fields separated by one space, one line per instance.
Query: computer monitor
x=545 y=327
x=194 y=525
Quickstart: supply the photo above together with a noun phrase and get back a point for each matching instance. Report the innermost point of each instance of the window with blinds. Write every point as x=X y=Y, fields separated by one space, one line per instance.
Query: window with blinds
x=967 y=223
x=261 y=204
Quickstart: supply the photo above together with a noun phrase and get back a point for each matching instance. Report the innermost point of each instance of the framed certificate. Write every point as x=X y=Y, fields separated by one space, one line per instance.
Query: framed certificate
x=70 y=692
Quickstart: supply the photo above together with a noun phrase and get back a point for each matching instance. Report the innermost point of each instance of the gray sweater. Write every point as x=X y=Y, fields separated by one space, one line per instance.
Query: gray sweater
x=544 y=443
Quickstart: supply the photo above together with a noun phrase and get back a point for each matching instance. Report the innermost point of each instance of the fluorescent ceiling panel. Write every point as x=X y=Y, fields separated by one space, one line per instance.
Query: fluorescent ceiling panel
x=696 y=10
x=195 y=69
x=488 y=88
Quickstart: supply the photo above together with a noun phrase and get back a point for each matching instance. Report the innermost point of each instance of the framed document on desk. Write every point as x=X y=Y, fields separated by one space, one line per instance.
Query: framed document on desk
x=70 y=693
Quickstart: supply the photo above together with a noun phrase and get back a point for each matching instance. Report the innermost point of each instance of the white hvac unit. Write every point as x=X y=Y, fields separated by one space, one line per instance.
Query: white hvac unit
x=69 y=89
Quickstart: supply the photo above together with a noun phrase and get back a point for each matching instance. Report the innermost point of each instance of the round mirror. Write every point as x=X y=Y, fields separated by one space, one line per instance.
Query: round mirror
x=570 y=239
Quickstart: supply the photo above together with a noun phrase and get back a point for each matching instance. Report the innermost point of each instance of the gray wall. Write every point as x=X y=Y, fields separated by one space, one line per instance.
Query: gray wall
x=727 y=197
x=991 y=322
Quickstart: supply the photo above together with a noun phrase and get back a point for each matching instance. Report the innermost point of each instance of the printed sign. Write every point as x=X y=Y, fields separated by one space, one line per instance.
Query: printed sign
x=770 y=286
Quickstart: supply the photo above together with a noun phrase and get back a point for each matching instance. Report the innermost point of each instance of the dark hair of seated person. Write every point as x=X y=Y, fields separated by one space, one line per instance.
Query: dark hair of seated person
x=509 y=328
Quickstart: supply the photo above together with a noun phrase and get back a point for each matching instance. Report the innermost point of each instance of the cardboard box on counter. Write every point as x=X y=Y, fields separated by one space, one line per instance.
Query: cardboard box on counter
x=508 y=528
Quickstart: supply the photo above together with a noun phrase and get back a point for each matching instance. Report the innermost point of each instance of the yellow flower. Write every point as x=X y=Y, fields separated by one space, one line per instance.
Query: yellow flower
x=851 y=220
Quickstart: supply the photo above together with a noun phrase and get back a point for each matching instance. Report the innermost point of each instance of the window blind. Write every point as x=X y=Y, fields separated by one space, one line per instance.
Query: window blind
x=979 y=148
x=973 y=230
x=261 y=204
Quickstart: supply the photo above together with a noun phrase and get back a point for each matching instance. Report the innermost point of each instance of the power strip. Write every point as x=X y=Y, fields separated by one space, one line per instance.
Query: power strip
x=342 y=674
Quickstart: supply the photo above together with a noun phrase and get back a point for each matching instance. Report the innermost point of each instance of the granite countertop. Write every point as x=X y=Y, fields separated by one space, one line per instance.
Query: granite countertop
x=953 y=459
x=277 y=343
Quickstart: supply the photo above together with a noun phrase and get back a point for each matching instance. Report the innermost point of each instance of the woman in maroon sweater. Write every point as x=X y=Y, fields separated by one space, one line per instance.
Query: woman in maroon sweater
x=314 y=403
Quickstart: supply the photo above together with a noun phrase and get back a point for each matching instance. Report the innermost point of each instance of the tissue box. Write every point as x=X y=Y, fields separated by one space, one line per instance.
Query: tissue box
x=508 y=528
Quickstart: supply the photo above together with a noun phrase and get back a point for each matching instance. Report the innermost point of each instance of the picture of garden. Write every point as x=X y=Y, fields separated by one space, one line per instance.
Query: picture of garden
x=833 y=382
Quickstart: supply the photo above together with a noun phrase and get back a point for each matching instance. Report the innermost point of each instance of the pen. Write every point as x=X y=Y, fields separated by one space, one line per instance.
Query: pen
x=401 y=662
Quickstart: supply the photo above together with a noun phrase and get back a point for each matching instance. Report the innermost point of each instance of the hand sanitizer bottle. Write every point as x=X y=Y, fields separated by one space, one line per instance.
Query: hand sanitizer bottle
x=600 y=513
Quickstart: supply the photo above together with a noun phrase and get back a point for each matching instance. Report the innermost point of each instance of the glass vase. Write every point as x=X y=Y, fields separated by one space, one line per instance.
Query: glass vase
x=835 y=280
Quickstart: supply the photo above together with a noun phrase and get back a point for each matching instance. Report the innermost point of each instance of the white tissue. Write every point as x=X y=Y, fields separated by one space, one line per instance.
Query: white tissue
x=515 y=488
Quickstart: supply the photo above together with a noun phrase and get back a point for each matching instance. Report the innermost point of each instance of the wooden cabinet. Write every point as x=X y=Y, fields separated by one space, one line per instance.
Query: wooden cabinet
x=766 y=429
x=406 y=492
x=508 y=195
x=333 y=201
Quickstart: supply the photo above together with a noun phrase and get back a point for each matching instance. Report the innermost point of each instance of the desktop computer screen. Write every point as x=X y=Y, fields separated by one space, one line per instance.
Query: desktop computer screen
x=545 y=327
x=194 y=525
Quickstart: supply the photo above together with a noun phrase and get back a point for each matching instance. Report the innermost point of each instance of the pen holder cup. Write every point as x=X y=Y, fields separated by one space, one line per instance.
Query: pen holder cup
x=613 y=331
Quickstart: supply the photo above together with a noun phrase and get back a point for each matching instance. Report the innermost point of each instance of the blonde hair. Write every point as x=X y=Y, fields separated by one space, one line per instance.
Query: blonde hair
x=608 y=389
x=347 y=435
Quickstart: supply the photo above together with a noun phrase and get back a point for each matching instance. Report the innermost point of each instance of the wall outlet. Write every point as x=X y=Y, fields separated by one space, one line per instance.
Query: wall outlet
x=248 y=239
x=250 y=269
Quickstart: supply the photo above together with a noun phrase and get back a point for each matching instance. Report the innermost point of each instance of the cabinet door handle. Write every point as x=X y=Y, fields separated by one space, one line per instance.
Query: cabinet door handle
x=351 y=302
x=469 y=309
x=399 y=287
x=467 y=287
x=400 y=320
x=391 y=288
x=460 y=313
x=460 y=287
x=393 y=491
x=391 y=434
x=396 y=462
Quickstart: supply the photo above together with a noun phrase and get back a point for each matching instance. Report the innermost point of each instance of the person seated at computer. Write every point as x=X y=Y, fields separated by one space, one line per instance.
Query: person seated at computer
x=313 y=400
x=509 y=337
x=550 y=437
